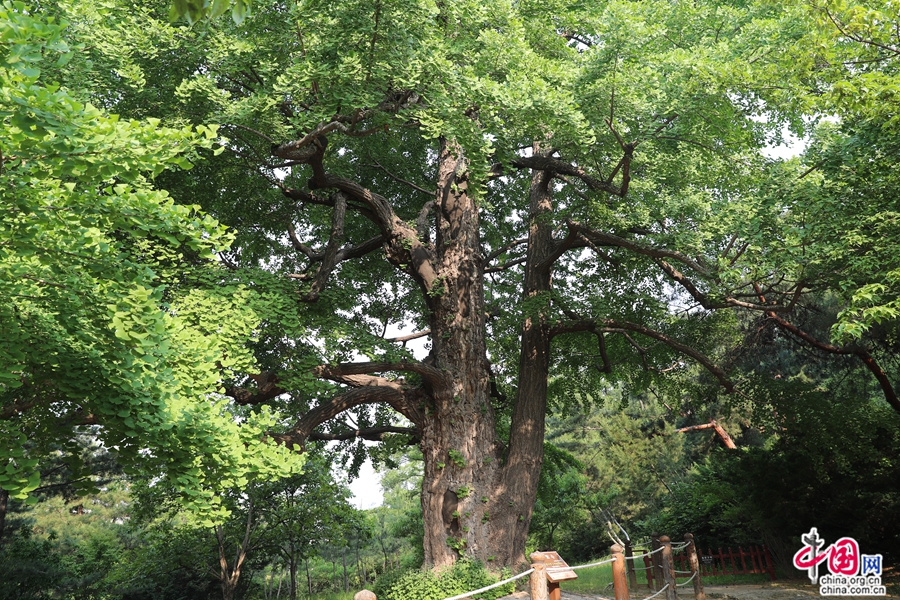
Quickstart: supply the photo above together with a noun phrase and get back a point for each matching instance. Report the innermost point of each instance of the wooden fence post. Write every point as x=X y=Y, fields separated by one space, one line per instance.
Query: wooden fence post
x=668 y=568
x=629 y=565
x=648 y=568
x=770 y=566
x=657 y=562
x=618 y=569
x=538 y=581
x=743 y=560
x=695 y=566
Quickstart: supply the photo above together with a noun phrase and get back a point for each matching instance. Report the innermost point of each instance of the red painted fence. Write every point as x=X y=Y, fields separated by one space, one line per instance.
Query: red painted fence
x=743 y=562
x=755 y=560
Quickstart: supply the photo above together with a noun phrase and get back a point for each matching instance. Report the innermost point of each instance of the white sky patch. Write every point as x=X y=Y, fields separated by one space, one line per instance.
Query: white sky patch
x=366 y=488
x=792 y=147
x=420 y=347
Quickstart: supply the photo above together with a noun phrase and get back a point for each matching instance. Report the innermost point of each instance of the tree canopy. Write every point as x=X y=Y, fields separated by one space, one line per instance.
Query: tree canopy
x=108 y=287
x=555 y=196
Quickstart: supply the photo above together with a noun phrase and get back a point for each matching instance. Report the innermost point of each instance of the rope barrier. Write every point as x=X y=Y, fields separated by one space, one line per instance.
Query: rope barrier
x=490 y=587
x=648 y=553
x=665 y=587
x=558 y=569
x=683 y=572
x=596 y=564
x=679 y=546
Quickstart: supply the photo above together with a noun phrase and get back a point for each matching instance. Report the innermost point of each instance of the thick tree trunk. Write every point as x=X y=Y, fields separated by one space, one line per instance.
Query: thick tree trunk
x=459 y=440
x=477 y=494
x=473 y=505
x=526 y=444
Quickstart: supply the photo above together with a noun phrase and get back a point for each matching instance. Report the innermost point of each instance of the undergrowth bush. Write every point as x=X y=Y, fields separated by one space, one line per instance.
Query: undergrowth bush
x=462 y=577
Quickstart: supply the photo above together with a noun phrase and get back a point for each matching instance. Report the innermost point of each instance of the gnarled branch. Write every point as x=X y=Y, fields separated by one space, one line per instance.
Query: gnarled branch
x=329 y=409
x=411 y=336
x=267 y=389
x=341 y=372
x=372 y=434
x=720 y=431
x=329 y=257
x=16 y=408
x=555 y=165
x=728 y=301
x=607 y=239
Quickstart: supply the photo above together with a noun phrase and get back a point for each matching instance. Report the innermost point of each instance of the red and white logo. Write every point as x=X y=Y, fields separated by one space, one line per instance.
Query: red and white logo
x=851 y=573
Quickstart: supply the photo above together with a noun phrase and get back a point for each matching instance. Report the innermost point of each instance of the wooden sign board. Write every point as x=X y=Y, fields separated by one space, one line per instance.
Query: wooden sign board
x=552 y=560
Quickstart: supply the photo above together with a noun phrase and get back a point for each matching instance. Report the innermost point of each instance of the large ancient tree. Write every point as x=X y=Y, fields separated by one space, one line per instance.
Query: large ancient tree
x=549 y=193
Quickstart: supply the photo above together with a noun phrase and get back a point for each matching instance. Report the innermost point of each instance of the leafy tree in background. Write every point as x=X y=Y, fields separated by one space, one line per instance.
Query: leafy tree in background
x=825 y=453
x=399 y=518
x=626 y=459
x=94 y=466
x=106 y=289
x=304 y=511
x=505 y=179
x=560 y=500
x=283 y=521
x=66 y=549
x=837 y=203
x=169 y=563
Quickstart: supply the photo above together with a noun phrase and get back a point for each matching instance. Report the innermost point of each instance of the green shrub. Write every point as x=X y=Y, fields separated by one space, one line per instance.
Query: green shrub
x=30 y=567
x=387 y=580
x=463 y=577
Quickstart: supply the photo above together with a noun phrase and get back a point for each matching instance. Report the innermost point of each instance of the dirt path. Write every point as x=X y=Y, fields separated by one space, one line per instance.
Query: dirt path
x=771 y=591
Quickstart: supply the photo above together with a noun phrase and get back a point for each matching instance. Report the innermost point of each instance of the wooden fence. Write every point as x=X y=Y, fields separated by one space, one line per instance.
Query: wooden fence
x=661 y=566
x=755 y=560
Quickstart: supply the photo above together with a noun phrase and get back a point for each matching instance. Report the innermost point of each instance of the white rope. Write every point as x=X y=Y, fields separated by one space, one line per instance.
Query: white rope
x=490 y=587
x=684 y=572
x=665 y=587
x=648 y=553
x=679 y=546
x=641 y=568
x=686 y=582
x=558 y=569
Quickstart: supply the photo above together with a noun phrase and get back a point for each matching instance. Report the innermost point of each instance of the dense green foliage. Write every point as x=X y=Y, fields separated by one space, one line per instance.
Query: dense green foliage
x=107 y=289
x=135 y=541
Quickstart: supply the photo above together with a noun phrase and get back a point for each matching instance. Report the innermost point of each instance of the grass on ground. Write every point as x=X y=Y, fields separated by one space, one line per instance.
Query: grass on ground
x=598 y=580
